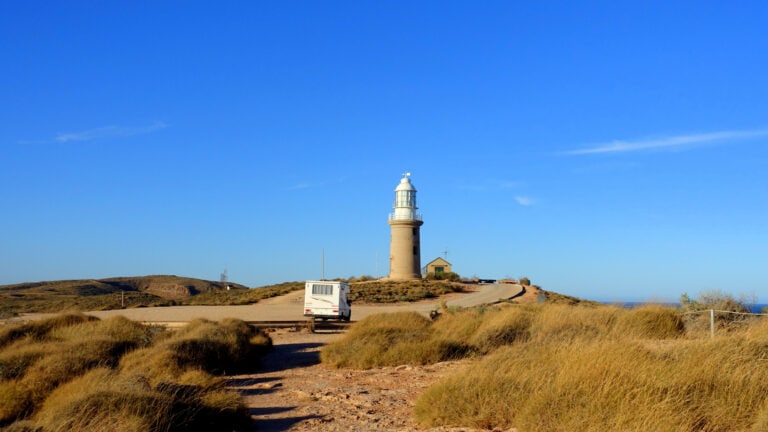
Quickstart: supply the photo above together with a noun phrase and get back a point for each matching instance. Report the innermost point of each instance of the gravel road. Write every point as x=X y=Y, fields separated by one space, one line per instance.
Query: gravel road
x=290 y=307
x=294 y=392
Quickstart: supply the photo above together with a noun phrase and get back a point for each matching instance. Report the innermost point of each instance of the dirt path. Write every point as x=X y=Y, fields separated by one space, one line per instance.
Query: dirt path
x=290 y=307
x=294 y=392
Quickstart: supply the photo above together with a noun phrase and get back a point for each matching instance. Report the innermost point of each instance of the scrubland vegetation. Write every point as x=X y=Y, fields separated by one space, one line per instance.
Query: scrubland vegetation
x=242 y=297
x=118 y=293
x=78 y=373
x=387 y=291
x=547 y=367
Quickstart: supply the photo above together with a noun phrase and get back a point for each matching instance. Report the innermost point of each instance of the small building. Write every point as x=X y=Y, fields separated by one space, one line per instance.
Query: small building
x=438 y=266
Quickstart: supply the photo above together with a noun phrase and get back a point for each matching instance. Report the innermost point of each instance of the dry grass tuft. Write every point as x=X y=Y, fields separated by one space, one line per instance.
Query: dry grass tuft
x=566 y=368
x=389 y=291
x=596 y=369
x=391 y=339
x=118 y=375
x=39 y=330
x=502 y=327
x=568 y=323
x=651 y=322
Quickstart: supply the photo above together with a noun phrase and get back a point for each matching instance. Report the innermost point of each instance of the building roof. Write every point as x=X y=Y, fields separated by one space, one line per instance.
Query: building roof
x=438 y=261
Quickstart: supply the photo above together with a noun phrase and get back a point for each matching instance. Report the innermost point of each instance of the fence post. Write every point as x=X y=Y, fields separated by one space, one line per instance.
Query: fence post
x=712 y=323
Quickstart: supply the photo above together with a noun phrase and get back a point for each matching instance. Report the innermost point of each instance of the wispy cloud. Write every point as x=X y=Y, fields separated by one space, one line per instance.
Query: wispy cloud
x=297 y=186
x=482 y=185
x=311 y=185
x=524 y=200
x=108 y=132
x=620 y=146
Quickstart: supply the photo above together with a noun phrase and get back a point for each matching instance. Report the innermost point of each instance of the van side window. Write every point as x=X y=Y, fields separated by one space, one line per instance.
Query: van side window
x=322 y=289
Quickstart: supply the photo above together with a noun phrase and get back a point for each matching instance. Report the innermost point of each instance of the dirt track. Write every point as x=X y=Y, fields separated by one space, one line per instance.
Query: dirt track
x=294 y=392
x=290 y=307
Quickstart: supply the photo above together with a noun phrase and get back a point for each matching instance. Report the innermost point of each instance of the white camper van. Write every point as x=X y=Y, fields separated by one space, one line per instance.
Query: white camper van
x=327 y=299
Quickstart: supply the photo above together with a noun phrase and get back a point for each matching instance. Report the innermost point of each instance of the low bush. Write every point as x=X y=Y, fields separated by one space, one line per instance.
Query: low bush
x=555 y=367
x=502 y=327
x=119 y=375
x=605 y=385
x=241 y=296
x=730 y=313
x=38 y=330
x=446 y=276
x=390 y=339
x=212 y=347
x=650 y=321
x=390 y=291
x=564 y=323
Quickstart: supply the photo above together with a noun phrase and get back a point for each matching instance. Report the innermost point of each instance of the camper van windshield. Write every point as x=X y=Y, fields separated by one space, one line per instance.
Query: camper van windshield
x=322 y=289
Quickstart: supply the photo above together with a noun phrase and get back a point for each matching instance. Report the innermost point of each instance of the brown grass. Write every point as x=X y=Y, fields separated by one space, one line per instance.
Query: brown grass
x=115 y=293
x=39 y=330
x=386 y=291
x=78 y=374
x=387 y=339
x=242 y=297
x=597 y=369
x=568 y=368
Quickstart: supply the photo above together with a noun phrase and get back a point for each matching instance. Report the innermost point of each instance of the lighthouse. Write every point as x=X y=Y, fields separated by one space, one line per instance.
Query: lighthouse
x=404 y=223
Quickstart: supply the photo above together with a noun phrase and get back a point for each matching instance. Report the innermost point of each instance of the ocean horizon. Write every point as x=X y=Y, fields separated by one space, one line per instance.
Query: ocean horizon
x=753 y=308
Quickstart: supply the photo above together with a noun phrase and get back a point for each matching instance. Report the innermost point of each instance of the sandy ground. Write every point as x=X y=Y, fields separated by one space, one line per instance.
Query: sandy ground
x=294 y=392
x=290 y=307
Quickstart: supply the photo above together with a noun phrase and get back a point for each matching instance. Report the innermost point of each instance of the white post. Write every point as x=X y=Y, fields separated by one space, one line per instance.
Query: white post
x=712 y=323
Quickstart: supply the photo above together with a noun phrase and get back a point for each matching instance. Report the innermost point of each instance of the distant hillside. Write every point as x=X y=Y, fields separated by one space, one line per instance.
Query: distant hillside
x=92 y=294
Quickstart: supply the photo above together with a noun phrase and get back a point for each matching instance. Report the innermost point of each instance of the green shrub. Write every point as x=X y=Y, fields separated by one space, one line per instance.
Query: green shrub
x=388 y=291
x=730 y=313
x=446 y=276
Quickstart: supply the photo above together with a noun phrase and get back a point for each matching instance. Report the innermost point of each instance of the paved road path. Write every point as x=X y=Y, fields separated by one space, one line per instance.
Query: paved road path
x=290 y=307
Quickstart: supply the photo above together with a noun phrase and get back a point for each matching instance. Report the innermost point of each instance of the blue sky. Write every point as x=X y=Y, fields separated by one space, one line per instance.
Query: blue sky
x=607 y=150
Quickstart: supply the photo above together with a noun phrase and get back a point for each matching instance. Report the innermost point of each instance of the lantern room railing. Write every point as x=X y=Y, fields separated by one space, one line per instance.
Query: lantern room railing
x=412 y=216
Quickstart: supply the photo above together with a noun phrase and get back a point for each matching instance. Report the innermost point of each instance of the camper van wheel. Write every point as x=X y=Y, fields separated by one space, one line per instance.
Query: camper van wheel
x=347 y=316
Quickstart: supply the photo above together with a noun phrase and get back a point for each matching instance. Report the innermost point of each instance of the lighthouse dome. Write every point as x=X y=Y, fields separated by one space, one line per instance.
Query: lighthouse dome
x=405 y=185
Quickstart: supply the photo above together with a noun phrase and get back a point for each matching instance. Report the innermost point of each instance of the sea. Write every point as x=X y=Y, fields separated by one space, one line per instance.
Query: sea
x=754 y=308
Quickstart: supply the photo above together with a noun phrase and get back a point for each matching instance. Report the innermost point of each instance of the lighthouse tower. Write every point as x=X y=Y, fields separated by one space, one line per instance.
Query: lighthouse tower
x=404 y=243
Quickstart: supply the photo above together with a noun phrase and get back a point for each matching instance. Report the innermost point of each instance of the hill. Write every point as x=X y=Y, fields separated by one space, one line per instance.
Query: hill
x=96 y=294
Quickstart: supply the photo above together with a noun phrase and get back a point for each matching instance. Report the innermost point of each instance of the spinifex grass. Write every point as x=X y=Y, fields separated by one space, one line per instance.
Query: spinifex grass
x=387 y=339
x=386 y=291
x=566 y=368
x=607 y=384
x=74 y=373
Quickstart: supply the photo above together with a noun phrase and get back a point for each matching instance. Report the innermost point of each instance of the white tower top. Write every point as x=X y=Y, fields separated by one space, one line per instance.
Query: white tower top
x=405 y=200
